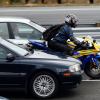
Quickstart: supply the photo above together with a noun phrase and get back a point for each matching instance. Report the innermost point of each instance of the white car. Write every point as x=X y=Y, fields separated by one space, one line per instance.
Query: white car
x=19 y=30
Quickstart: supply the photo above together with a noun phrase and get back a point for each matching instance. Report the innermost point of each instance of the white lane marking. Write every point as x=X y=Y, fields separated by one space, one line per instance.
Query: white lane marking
x=91 y=80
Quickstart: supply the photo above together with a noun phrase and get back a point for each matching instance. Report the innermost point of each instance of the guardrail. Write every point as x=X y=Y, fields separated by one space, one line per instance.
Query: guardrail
x=80 y=25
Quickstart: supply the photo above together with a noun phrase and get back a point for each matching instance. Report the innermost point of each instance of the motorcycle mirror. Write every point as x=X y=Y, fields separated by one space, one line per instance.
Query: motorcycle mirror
x=83 y=37
x=94 y=41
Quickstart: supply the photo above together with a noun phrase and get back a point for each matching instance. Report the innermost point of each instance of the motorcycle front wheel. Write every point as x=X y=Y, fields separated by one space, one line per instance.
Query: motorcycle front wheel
x=93 y=70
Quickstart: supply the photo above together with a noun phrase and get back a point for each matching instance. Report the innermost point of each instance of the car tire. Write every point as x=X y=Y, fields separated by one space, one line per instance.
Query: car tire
x=44 y=85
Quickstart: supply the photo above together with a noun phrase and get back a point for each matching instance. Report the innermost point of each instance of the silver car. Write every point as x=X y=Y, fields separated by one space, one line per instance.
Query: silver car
x=19 y=30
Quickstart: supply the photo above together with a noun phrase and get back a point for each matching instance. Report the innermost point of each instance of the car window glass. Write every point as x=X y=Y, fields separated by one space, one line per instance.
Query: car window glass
x=4 y=31
x=3 y=53
x=25 y=31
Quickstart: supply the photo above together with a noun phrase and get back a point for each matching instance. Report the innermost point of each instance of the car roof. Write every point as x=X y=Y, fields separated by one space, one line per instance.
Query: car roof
x=13 y=19
x=21 y=20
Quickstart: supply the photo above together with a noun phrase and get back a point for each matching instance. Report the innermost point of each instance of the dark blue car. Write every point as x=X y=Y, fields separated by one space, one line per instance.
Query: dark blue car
x=39 y=74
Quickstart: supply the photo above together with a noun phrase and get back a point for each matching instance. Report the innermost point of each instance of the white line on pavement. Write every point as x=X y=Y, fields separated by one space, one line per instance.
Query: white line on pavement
x=91 y=80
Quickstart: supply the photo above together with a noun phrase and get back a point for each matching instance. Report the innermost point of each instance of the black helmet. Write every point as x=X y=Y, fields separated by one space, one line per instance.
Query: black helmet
x=71 y=20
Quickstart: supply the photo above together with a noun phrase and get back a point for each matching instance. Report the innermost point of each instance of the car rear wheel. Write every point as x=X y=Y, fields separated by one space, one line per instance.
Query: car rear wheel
x=44 y=85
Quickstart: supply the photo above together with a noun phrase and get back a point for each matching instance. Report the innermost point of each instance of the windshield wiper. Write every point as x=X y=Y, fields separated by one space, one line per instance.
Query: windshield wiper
x=27 y=54
x=31 y=52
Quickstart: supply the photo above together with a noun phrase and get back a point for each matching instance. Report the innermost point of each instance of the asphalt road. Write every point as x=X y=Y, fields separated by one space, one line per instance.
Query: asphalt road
x=54 y=15
x=86 y=91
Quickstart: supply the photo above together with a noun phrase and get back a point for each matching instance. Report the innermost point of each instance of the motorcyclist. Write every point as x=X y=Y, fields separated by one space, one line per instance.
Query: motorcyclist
x=58 y=42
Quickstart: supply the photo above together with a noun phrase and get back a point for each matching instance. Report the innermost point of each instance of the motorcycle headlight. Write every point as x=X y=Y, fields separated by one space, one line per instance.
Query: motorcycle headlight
x=75 y=68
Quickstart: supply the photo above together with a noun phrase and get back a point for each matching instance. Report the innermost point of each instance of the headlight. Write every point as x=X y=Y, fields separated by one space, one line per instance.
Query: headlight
x=75 y=68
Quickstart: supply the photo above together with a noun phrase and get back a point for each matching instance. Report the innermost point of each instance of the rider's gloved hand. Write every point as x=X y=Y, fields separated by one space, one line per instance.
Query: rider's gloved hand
x=71 y=52
x=84 y=45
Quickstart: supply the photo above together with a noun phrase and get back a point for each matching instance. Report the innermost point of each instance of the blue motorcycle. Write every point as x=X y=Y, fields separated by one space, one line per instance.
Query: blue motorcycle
x=90 y=57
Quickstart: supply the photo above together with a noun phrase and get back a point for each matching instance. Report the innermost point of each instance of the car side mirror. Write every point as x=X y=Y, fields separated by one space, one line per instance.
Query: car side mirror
x=10 y=57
